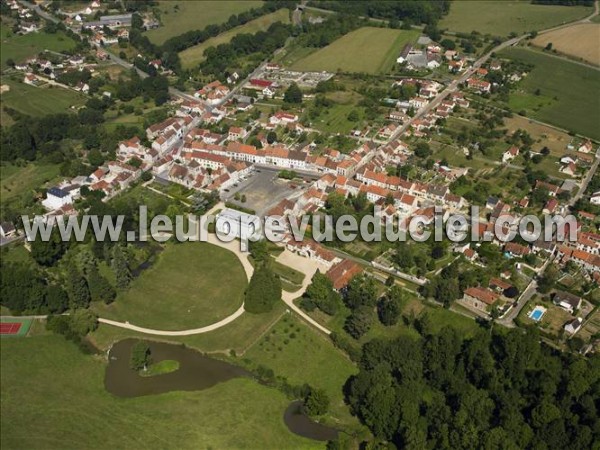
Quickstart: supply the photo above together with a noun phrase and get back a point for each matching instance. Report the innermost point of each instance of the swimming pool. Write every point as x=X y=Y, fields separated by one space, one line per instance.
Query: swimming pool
x=537 y=313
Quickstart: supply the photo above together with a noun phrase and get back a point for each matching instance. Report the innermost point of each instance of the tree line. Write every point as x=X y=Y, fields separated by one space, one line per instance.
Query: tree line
x=414 y=11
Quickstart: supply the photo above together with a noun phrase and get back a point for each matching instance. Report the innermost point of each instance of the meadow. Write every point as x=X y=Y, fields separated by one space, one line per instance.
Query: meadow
x=195 y=55
x=38 y=101
x=178 y=17
x=20 y=47
x=189 y=285
x=20 y=182
x=566 y=90
x=368 y=49
x=301 y=354
x=47 y=381
x=579 y=41
x=500 y=18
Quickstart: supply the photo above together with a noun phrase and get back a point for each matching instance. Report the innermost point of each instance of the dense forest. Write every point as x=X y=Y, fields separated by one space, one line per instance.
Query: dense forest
x=415 y=11
x=496 y=390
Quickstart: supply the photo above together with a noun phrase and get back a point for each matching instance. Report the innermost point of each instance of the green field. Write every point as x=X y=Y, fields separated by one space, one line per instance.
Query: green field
x=370 y=50
x=567 y=92
x=53 y=397
x=195 y=55
x=38 y=101
x=190 y=285
x=20 y=182
x=20 y=47
x=500 y=18
x=178 y=17
x=303 y=355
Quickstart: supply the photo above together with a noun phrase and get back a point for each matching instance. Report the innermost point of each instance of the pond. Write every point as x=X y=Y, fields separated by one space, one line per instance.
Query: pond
x=302 y=425
x=195 y=372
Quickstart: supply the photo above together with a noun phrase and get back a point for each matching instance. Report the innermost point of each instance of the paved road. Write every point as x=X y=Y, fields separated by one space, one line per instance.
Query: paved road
x=586 y=180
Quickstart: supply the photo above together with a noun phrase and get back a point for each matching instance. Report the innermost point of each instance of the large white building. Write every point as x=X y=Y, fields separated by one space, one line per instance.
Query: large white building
x=237 y=224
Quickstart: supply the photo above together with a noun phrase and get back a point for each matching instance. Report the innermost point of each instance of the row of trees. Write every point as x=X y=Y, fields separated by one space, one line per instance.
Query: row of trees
x=220 y=59
x=194 y=37
x=413 y=11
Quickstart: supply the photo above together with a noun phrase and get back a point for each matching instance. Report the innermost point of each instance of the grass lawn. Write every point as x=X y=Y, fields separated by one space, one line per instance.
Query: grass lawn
x=20 y=47
x=368 y=49
x=500 y=18
x=19 y=182
x=39 y=101
x=570 y=89
x=296 y=351
x=195 y=55
x=178 y=17
x=237 y=336
x=53 y=397
x=190 y=285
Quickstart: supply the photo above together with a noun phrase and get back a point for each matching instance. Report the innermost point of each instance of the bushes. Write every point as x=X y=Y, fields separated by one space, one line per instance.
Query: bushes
x=74 y=327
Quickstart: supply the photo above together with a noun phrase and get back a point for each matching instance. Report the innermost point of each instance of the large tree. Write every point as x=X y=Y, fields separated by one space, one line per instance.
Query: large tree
x=140 y=356
x=321 y=293
x=389 y=306
x=264 y=290
x=293 y=94
x=121 y=268
x=77 y=286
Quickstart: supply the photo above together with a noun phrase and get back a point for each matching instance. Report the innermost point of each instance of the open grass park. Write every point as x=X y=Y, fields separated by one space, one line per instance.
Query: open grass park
x=189 y=285
x=177 y=17
x=368 y=49
x=46 y=380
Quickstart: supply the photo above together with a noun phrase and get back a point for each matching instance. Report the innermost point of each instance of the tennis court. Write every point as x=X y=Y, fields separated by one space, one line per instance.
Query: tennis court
x=14 y=327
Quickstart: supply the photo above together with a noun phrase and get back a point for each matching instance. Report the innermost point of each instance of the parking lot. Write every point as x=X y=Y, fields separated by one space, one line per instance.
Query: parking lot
x=263 y=190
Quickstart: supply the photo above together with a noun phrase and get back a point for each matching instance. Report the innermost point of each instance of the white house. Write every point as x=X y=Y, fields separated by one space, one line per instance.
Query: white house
x=595 y=198
x=57 y=198
x=510 y=154
x=574 y=326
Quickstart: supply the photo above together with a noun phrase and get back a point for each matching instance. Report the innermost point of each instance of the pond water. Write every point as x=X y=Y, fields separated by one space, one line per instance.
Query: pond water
x=195 y=372
x=298 y=423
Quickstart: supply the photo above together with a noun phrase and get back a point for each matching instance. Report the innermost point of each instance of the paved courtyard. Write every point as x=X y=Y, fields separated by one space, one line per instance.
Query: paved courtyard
x=263 y=190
